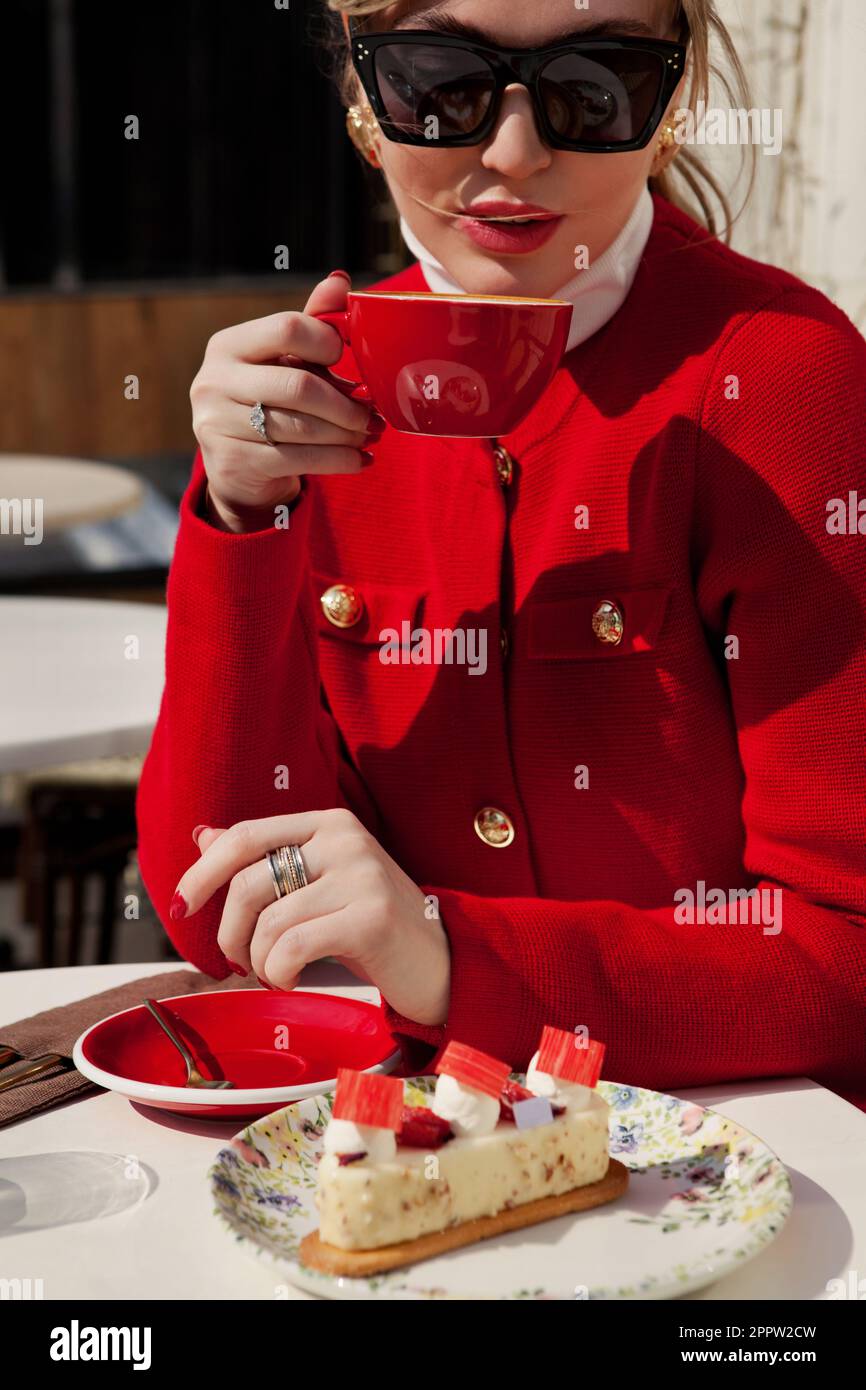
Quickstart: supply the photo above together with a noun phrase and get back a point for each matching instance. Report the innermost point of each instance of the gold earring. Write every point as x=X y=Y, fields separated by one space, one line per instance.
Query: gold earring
x=361 y=126
x=667 y=138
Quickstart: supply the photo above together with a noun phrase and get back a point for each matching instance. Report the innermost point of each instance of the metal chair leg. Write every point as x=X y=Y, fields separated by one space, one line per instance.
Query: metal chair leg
x=107 y=916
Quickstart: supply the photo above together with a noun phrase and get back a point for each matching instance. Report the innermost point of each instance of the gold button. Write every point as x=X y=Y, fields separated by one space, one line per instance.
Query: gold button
x=608 y=623
x=494 y=827
x=342 y=605
x=504 y=465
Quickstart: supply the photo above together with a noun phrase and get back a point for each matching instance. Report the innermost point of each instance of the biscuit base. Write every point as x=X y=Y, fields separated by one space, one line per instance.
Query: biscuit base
x=360 y=1264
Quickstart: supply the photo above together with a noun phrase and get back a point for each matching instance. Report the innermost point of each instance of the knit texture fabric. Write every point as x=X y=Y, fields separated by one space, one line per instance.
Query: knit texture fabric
x=680 y=464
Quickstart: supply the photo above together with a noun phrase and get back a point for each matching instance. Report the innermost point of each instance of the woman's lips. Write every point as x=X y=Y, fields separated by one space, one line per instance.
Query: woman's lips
x=510 y=238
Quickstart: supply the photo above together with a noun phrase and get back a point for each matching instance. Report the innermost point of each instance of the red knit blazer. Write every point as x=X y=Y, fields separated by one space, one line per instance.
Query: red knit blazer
x=706 y=429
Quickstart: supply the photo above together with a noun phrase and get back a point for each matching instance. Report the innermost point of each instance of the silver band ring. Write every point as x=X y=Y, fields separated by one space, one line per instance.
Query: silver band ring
x=278 y=892
x=259 y=422
x=288 y=870
x=282 y=882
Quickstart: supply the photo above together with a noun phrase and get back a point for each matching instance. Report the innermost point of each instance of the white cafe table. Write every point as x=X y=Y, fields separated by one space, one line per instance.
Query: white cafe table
x=79 y=679
x=171 y=1246
x=71 y=490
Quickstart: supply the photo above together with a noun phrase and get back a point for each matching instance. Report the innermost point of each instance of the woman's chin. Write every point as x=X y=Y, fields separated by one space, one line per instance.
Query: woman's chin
x=484 y=275
x=529 y=277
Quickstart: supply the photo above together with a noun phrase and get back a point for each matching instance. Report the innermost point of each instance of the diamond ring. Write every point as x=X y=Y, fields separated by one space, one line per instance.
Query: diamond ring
x=258 y=421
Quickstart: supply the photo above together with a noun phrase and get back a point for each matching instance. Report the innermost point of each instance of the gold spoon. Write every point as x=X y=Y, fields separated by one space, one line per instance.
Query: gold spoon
x=193 y=1075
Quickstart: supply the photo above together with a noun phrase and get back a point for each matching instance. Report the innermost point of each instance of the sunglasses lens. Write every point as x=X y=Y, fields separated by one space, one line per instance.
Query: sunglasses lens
x=605 y=99
x=433 y=94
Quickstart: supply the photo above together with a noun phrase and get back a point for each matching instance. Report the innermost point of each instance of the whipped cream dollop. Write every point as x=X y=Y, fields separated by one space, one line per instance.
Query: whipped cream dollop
x=554 y=1089
x=469 y=1112
x=345 y=1137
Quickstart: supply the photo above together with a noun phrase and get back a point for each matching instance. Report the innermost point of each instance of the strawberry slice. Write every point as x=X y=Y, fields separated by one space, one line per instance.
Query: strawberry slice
x=420 y=1128
x=512 y=1092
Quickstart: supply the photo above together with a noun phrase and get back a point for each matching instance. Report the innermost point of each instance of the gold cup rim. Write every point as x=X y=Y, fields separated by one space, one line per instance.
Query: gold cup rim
x=458 y=298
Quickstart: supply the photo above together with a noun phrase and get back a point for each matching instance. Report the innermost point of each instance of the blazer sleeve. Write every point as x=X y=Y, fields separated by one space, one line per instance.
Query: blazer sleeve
x=779 y=565
x=243 y=731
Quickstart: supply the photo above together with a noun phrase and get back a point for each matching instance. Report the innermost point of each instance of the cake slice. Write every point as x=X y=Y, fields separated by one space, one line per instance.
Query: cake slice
x=398 y=1184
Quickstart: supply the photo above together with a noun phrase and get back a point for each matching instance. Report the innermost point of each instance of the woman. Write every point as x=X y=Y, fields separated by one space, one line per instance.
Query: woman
x=673 y=708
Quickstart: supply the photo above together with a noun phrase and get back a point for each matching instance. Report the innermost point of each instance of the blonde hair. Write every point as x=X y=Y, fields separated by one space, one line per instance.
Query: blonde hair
x=698 y=22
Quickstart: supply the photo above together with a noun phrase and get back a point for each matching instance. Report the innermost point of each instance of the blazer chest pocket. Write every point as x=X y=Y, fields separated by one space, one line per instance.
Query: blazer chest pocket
x=357 y=612
x=604 y=625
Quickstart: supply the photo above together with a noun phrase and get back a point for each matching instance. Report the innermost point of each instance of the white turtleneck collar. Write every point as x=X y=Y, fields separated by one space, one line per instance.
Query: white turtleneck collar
x=598 y=291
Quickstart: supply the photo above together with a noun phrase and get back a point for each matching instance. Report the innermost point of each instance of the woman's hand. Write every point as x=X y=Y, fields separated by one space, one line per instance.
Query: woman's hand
x=313 y=426
x=358 y=906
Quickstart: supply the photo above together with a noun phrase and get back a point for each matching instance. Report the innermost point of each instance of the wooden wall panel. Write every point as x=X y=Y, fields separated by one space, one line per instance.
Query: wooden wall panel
x=65 y=359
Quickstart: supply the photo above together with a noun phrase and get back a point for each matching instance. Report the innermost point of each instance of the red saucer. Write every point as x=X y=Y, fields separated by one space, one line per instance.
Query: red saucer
x=275 y=1047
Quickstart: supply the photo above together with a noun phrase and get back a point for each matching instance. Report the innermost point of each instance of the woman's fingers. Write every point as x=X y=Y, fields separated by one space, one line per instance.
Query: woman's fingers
x=321 y=897
x=314 y=425
x=289 y=333
x=289 y=427
x=249 y=893
x=256 y=467
x=207 y=835
x=330 y=293
x=282 y=388
x=328 y=935
x=242 y=844
x=253 y=916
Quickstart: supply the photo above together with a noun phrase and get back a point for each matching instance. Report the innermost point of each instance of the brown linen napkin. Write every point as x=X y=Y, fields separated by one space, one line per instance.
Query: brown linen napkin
x=57 y=1029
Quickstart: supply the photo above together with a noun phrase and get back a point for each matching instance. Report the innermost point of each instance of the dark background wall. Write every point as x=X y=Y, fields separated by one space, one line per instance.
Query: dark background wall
x=124 y=255
x=242 y=145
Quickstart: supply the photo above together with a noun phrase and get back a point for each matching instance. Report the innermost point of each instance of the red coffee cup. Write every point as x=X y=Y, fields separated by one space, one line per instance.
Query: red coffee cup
x=458 y=366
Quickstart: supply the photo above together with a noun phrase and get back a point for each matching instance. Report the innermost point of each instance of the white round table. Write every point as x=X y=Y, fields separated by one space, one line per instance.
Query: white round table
x=171 y=1246
x=70 y=491
x=79 y=678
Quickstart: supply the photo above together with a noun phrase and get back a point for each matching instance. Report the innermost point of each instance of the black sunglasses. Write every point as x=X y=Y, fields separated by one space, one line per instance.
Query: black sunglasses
x=596 y=96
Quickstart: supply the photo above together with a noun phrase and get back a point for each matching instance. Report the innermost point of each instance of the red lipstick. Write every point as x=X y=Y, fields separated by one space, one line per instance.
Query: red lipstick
x=528 y=227
x=504 y=207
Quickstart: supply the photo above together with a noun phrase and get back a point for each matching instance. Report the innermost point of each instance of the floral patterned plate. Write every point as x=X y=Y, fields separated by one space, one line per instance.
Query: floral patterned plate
x=705 y=1196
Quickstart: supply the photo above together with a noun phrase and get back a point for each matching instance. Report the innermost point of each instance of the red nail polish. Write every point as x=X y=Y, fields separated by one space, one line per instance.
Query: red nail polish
x=264 y=984
x=376 y=427
x=366 y=458
x=238 y=969
x=178 y=907
x=345 y=274
x=197 y=832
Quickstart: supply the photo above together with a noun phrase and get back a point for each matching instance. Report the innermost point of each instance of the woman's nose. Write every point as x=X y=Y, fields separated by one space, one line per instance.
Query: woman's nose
x=515 y=146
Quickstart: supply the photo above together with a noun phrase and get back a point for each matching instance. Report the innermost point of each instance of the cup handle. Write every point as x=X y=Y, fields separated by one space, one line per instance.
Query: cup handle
x=358 y=390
